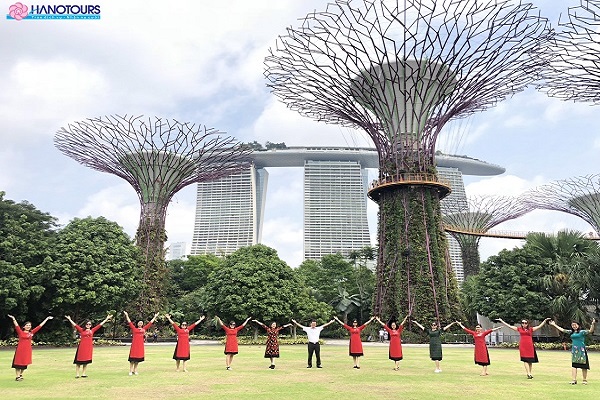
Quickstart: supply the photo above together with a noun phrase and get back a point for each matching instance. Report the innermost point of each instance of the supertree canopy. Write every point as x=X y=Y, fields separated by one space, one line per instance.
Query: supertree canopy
x=573 y=59
x=400 y=70
x=578 y=196
x=158 y=157
x=481 y=214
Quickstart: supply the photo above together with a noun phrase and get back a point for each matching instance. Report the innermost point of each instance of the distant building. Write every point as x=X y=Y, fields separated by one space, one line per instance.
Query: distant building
x=176 y=251
x=335 y=208
x=230 y=211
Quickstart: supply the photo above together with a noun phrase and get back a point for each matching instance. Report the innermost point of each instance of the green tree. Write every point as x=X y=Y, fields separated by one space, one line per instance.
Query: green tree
x=26 y=238
x=95 y=269
x=509 y=286
x=187 y=295
x=572 y=277
x=255 y=282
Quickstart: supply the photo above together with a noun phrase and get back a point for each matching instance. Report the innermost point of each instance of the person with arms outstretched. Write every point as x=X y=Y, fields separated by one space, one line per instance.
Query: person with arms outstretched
x=435 y=342
x=579 y=356
x=526 y=347
x=355 y=349
x=138 y=336
x=313 y=332
x=272 y=345
x=24 y=353
x=182 y=349
x=85 y=348
x=231 y=342
x=395 y=333
x=482 y=356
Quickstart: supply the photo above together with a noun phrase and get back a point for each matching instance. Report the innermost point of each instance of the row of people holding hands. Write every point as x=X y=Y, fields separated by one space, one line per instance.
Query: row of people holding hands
x=83 y=355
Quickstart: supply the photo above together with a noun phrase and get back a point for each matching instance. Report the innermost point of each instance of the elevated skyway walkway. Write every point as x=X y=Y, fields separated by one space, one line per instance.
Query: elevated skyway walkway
x=501 y=234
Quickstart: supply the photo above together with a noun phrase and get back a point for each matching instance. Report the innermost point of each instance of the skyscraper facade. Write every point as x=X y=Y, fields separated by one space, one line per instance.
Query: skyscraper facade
x=456 y=197
x=229 y=212
x=335 y=208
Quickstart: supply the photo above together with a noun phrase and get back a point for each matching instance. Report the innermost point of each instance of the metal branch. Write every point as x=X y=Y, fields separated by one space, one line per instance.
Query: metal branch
x=579 y=196
x=573 y=58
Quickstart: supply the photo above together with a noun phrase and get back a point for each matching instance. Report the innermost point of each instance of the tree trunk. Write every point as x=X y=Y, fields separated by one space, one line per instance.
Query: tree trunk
x=414 y=275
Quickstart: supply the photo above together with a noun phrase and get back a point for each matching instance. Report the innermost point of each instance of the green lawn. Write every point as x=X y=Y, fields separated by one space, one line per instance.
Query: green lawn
x=52 y=375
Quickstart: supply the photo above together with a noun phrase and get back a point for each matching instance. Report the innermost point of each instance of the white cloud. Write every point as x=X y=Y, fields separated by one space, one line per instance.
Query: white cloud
x=507 y=185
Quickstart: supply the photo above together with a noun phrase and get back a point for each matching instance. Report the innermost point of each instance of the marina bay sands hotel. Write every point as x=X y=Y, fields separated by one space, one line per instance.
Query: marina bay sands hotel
x=230 y=211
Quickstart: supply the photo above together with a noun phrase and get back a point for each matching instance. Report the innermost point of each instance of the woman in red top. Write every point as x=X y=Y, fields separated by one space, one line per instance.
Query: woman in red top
x=138 y=337
x=231 y=343
x=85 y=348
x=482 y=356
x=355 y=346
x=395 y=333
x=23 y=353
x=526 y=348
x=182 y=349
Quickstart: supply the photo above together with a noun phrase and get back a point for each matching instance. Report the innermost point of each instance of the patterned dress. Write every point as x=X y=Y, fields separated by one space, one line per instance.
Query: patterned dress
x=23 y=353
x=272 y=347
x=579 y=357
x=435 y=344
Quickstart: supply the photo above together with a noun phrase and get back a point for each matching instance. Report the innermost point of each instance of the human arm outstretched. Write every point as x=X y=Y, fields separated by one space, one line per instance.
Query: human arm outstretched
x=514 y=328
x=544 y=322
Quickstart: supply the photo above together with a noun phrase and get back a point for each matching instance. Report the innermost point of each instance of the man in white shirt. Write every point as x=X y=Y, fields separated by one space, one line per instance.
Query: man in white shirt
x=314 y=333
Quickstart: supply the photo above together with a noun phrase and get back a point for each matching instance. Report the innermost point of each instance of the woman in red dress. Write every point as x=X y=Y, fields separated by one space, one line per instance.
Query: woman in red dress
x=23 y=353
x=138 y=337
x=482 y=356
x=85 y=348
x=231 y=342
x=355 y=346
x=182 y=349
x=272 y=345
x=526 y=348
x=395 y=333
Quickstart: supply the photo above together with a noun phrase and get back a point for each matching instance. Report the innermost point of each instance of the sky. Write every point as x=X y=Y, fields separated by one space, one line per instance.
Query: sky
x=202 y=61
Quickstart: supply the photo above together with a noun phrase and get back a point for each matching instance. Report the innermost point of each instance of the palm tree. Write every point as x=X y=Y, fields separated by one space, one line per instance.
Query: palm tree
x=346 y=302
x=572 y=285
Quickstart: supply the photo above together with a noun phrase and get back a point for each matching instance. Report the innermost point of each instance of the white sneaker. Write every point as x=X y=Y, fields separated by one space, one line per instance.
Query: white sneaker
x=437 y=371
x=131 y=373
x=135 y=373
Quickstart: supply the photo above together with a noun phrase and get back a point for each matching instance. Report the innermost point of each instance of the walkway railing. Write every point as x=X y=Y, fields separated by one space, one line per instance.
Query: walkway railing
x=415 y=179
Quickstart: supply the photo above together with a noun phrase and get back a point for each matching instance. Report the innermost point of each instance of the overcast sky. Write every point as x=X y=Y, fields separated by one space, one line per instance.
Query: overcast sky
x=202 y=61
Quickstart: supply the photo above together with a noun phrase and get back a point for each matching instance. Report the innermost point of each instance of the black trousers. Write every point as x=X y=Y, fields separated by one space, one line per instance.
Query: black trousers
x=316 y=349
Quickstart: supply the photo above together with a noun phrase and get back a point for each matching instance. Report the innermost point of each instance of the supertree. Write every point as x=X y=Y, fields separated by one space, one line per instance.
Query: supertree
x=573 y=58
x=158 y=157
x=467 y=224
x=578 y=196
x=400 y=70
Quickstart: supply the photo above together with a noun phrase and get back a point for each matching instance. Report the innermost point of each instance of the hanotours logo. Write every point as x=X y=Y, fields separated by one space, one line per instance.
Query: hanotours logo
x=20 y=11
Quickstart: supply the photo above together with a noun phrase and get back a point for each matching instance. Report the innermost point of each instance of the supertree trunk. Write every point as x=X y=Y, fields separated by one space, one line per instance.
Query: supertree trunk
x=412 y=263
x=469 y=251
x=150 y=239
